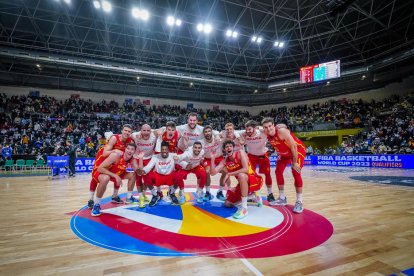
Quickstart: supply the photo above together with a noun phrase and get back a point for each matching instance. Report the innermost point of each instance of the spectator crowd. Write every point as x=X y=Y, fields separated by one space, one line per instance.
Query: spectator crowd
x=39 y=126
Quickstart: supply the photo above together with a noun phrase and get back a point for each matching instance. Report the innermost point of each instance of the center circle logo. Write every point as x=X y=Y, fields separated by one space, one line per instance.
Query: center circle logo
x=206 y=229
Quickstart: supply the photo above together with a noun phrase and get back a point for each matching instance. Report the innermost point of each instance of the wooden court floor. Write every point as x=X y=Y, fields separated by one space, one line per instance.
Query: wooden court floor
x=373 y=231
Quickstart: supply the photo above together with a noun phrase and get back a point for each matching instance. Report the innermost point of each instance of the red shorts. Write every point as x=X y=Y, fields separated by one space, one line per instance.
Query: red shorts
x=207 y=161
x=262 y=161
x=255 y=184
x=139 y=178
x=156 y=179
x=96 y=174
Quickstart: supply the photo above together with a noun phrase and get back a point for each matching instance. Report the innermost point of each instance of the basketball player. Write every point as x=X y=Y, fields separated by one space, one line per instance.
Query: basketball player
x=190 y=162
x=189 y=132
x=115 y=142
x=211 y=144
x=111 y=169
x=255 y=141
x=163 y=173
x=145 y=140
x=238 y=165
x=290 y=150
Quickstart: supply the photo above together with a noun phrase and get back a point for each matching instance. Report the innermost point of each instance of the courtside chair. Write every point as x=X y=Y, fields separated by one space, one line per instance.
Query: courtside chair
x=20 y=164
x=29 y=165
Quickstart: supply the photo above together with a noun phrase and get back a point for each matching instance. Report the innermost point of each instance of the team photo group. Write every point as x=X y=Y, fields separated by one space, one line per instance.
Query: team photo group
x=151 y=159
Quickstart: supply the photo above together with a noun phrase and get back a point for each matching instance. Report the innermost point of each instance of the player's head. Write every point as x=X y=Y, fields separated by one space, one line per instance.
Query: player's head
x=229 y=127
x=208 y=132
x=197 y=147
x=164 y=149
x=192 y=120
x=130 y=150
x=145 y=131
x=170 y=128
x=268 y=126
x=126 y=131
x=228 y=147
x=250 y=127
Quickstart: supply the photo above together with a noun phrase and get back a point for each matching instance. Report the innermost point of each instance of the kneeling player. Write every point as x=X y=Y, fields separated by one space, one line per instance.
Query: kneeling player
x=111 y=169
x=237 y=164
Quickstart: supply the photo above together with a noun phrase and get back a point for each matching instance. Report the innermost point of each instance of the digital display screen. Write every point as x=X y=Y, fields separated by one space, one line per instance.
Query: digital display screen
x=320 y=72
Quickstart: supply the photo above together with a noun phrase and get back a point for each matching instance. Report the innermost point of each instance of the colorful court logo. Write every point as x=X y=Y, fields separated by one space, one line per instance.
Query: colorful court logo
x=206 y=229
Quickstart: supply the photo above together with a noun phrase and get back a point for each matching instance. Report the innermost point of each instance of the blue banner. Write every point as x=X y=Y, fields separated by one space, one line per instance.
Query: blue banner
x=378 y=161
x=81 y=164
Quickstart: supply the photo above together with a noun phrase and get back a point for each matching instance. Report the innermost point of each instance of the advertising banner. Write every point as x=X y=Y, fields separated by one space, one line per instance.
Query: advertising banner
x=378 y=161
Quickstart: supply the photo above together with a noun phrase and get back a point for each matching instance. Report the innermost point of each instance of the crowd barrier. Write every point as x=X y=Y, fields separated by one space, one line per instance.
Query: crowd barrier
x=369 y=160
x=380 y=161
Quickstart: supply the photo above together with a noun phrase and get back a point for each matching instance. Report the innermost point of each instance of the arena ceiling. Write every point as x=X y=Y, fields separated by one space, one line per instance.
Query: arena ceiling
x=70 y=44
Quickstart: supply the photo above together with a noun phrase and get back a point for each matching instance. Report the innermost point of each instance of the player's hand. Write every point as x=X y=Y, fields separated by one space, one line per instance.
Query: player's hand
x=226 y=178
x=213 y=154
x=140 y=171
x=188 y=167
x=186 y=141
x=296 y=167
x=140 y=155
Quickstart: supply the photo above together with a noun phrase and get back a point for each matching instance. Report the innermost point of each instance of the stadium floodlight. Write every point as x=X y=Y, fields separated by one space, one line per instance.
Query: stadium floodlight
x=254 y=38
x=140 y=14
x=170 y=20
x=67 y=1
x=144 y=15
x=191 y=84
x=230 y=33
x=259 y=40
x=106 y=6
x=276 y=43
x=200 y=27
x=97 y=4
x=255 y=91
x=38 y=65
x=207 y=28
x=281 y=44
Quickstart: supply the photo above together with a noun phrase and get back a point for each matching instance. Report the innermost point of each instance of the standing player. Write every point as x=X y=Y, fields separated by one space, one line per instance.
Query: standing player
x=290 y=150
x=145 y=140
x=171 y=136
x=115 y=142
x=112 y=168
x=163 y=173
x=190 y=162
x=255 y=141
x=238 y=165
x=211 y=144
x=189 y=132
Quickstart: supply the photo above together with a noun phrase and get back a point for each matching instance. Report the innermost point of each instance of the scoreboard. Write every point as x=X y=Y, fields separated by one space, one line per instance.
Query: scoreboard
x=320 y=72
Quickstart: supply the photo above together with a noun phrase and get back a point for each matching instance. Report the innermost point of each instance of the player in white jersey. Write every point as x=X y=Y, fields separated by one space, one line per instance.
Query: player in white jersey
x=191 y=162
x=145 y=140
x=211 y=143
x=189 y=132
x=255 y=140
x=159 y=171
x=230 y=134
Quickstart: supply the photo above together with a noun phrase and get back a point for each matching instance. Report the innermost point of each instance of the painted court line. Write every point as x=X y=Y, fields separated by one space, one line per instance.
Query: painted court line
x=252 y=268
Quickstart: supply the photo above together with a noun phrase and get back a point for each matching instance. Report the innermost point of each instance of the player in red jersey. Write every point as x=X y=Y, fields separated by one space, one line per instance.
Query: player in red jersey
x=113 y=169
x=290 y=150
x=237 y=164
x=115 y=142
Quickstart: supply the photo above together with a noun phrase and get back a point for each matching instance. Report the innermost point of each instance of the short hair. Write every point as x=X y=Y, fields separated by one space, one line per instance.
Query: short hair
x=132 y=145
x=207 y=127
x=170 y=124
x=268 y=120
x=229 y=124
x=228 y=142
x=165 y=144
x=192 y=114
x=127 y=125
x=197 y=143
x=251 y=123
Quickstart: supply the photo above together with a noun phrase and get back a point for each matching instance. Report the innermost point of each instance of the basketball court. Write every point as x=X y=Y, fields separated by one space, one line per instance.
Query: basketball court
x=348 y=226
